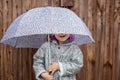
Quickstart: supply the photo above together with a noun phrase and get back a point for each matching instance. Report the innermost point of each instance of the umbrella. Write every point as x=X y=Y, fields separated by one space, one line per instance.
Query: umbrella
x=30 y=28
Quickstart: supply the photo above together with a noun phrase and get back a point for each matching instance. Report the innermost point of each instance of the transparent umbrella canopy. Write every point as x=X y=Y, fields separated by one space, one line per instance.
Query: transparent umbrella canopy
x=30 y=29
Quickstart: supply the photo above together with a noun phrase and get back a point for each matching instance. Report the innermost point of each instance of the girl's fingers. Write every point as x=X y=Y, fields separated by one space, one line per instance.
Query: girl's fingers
x=52 y=73
x=49 y=69
x=51 y=63
x=50 y=78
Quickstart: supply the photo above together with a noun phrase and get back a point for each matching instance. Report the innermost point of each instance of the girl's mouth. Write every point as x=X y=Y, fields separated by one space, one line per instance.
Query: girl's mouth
x=62 y=36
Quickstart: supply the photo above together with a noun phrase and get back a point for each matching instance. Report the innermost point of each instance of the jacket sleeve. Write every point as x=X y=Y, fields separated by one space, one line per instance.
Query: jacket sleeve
x=38 y=64
x=75 y=64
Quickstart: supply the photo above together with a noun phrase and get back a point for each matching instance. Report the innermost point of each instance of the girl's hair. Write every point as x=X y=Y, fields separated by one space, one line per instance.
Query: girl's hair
x=70 y=39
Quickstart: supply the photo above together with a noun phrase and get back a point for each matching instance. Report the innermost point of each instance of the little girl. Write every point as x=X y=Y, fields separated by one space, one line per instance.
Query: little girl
x=66 y=59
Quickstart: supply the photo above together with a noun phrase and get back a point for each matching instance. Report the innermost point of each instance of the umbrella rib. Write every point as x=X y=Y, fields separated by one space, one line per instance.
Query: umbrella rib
x=16 y=42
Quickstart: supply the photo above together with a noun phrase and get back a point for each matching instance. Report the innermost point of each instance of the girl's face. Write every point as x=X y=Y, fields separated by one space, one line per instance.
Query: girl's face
x=62 y=37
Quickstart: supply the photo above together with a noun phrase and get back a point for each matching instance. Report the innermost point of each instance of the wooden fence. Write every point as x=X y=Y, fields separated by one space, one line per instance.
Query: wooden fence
x=101 y=59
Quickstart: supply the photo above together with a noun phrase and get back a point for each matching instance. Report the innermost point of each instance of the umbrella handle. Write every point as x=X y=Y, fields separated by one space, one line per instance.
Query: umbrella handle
x=49 y=55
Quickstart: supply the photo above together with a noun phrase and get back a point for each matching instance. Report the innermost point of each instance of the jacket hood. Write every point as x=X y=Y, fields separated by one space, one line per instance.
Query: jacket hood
x=64 y=44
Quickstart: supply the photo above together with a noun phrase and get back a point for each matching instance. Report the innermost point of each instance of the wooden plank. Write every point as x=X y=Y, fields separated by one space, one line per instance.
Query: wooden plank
x=117 y=52
x=111 y=54
x=98 y=41
x=15 y=8
x=117 y=3
x=5 y=11
x=19 y=54
x=76 y=8
x=116 y=60
x=67 y=3
x=41 y=3
x=107 y=65
x=90 y=55
x=15 y=64
x=33 y=3
x=118 y=48
x=55 y=3
x=24 y=62
x=33 y=52
x=24 y=58
x=23 y=54
x=1 y=46
x=96 y=34
x=17 y=72
x=116 y=67
x=101 y=26
x=83 y=12
x=25 y=5
x=30 y=63
x=8 y=51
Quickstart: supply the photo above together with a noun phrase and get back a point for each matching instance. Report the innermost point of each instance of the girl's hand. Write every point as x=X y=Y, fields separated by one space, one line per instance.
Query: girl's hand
x=46 y=76
x=53 y=68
